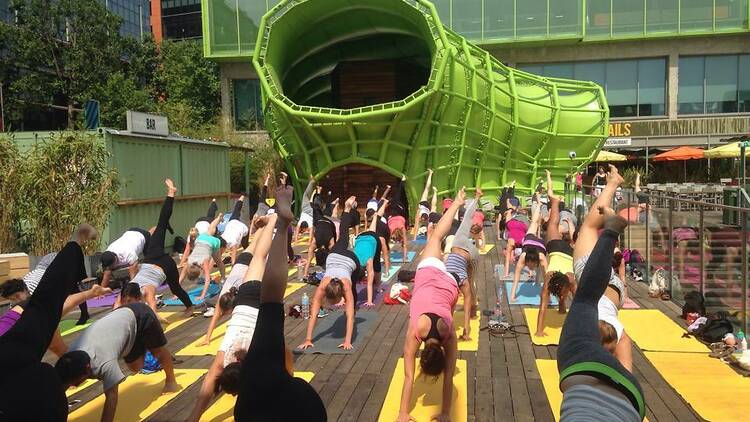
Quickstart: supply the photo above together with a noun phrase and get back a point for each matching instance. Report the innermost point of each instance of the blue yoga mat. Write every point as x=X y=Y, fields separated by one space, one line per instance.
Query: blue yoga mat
x=213 y=290
x=394 y=270
x=529 y=293
x=399 y=257
x=421 y=240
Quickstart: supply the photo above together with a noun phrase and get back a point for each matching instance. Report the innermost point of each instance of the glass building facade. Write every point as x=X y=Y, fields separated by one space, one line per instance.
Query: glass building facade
x=247 y=104
x=181 y=19
x=232 y=25
x=135 y=14
x=634 y=88
x=714 y=84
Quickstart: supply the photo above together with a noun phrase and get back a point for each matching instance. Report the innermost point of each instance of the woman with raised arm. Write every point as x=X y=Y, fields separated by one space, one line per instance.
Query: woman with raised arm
x=268 y=389
x=431 y=319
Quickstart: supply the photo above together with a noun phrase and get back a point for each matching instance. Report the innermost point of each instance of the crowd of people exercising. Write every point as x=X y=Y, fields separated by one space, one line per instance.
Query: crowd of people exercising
x=574 y=258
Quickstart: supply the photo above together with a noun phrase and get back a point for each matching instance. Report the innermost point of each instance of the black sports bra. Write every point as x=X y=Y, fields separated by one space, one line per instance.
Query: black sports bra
x=433 y=333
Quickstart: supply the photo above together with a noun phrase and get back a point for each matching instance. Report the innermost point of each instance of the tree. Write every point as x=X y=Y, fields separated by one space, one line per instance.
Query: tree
x=119 y=94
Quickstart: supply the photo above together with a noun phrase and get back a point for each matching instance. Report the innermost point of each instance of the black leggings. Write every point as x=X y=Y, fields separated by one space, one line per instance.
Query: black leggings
x=580 y=348
x=155 y=254
x=399 y=204
x=27 y=341
x=210 y=214
x=237 y=211
x=341 y=246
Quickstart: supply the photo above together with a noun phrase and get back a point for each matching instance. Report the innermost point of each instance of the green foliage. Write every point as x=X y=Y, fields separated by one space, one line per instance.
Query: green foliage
x=119 y=94
x=263 y=159
x=67 y=181
x=629 y=175
x=10 y=182
x=62 y=50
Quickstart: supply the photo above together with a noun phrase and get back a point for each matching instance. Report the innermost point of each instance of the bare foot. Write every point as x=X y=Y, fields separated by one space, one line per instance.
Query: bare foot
x=614 y=176
x=613 y=222
x=171 y=188
x=97 y=290
x=461 y=196
x=188 y=310
x=429 y=171
x=170 y=387
x=241 y=198
x=284 y=203
x=478 y=193
x=350 y=201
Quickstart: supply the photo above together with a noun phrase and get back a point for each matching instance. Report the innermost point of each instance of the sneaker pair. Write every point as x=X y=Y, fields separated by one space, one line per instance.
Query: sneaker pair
x=209 y=312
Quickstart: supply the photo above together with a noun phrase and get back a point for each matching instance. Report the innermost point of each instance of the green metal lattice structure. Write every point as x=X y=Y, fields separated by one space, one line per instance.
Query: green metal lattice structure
x=475 y=121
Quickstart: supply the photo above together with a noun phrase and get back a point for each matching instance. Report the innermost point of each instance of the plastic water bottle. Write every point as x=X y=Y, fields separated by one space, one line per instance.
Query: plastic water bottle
x=743 y=341
x=498 y=306
x=305 y=306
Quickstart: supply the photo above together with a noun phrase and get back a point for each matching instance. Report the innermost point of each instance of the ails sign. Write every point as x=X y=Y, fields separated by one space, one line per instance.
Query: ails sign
x=147 y=124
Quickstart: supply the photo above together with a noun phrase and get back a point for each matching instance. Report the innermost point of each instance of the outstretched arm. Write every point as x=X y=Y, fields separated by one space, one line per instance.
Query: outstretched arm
x=411 y=346
x=543 y=304
x=517 y=276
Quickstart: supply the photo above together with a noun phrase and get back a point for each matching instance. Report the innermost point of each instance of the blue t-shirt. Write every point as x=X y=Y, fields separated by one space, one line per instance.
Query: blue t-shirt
x=364 y=248
x=211 y=240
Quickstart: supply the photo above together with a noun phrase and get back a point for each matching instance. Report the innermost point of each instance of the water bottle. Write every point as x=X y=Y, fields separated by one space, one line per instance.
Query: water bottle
x=498 y=306
x=743 y=341
x=305 y=306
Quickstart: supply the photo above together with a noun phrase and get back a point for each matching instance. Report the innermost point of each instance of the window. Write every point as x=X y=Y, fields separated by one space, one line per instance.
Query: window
x=498 y=19
x=223 y=26
x=731 y=14
x=696 y=15
x=662 y=16
x=690 y=87
x=531 y=18
x=565 y=17
x=248 y=107
x=627 y=17
x=443 y=8
x=714 y=84
x=467 y=18
x=251 y=11
x=597 y=17
x=633 y=87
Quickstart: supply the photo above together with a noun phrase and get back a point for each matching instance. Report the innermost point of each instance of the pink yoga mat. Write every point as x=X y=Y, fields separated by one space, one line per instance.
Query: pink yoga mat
x=629 y=304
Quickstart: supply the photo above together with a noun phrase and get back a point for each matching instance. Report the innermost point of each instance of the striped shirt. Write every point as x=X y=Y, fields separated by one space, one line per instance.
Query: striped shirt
x=456 y=264
x=33 y=278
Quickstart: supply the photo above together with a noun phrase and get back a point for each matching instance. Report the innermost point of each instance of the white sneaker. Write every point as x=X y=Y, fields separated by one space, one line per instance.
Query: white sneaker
x=209 y=313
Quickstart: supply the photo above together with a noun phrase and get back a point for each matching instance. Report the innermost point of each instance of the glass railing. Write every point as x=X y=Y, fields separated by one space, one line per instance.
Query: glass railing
x=699 y=243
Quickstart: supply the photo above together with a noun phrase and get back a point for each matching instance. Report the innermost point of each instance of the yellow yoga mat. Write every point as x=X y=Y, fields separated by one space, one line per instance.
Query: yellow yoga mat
x=652 y=330
x=84 y=385
x=195 y=349
x=486 y=248
x=551 y=380
x=68 y=326
x=139 y=397
x=293 y=287
x=223 y=409
x=458 y=324
x=175 y=319
x=303 y=240
x=711 y=387
x=553 y=325
x=426 y=397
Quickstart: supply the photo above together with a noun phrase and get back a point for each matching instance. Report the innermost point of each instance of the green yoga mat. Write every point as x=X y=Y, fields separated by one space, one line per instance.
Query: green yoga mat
x=68 y=326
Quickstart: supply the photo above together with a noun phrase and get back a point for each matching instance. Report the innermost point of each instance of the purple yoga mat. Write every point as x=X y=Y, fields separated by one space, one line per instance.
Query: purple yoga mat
x=377 y=295
x=109 y=300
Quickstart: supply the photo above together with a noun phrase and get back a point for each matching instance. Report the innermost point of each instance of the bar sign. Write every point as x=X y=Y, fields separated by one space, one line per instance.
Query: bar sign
x=146 y=123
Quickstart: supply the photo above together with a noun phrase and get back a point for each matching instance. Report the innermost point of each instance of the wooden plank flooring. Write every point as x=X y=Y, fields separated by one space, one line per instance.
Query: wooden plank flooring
x=503 y=381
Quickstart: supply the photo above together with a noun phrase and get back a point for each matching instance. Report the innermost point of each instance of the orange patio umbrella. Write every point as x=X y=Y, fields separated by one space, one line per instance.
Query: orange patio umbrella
x=680 y=154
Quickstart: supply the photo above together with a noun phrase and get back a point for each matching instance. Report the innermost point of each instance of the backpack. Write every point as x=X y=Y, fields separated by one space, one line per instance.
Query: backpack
x=715 y=330
x=658 y=283
x=694 y=303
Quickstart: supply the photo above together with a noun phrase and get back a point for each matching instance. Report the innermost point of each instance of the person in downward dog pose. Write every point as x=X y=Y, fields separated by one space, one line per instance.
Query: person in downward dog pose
x=431 y=319
x=208 y=247
x=369 y=246
x=612 y=333
x=595 y=385
x=422 y=215
x=243 y=301
x=374 y=204
x=559 y=279
x=235 y=231
x=202 y=226
x=532 y=250
x=34 y=390
x=342 y=267
x=268 y=390
x=124 y=252
x=158 y=266
x=236 y=276
x=398 y=219
x=306 y=214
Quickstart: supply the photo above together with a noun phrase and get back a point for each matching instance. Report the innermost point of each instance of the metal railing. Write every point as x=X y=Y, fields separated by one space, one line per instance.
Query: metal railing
x=701 y=244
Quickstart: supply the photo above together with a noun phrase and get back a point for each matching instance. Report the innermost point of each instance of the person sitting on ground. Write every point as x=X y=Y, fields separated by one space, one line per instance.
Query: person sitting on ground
x=397 y=221
x=342 y=266
x=595 y=385
x=124 y=252
x=425 y=208
x=33 y=390
x=236 y=276
x=17 y=293
x=267 y=387
x=559 y=278
x=158 y=267
x=207 y=248
x=306 y=212
x=235 y=231
x=127 y=333
x=532 y=252
x=614 y=338
x=32 y=278
x=243 y=301
x=431 y=308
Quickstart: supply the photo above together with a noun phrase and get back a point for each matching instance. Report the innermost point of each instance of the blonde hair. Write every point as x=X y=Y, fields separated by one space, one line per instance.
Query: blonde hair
x=193 y=272
x=192 y=235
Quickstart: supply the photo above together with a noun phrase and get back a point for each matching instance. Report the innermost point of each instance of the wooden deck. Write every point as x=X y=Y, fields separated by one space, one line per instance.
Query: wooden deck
x=503 y=381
